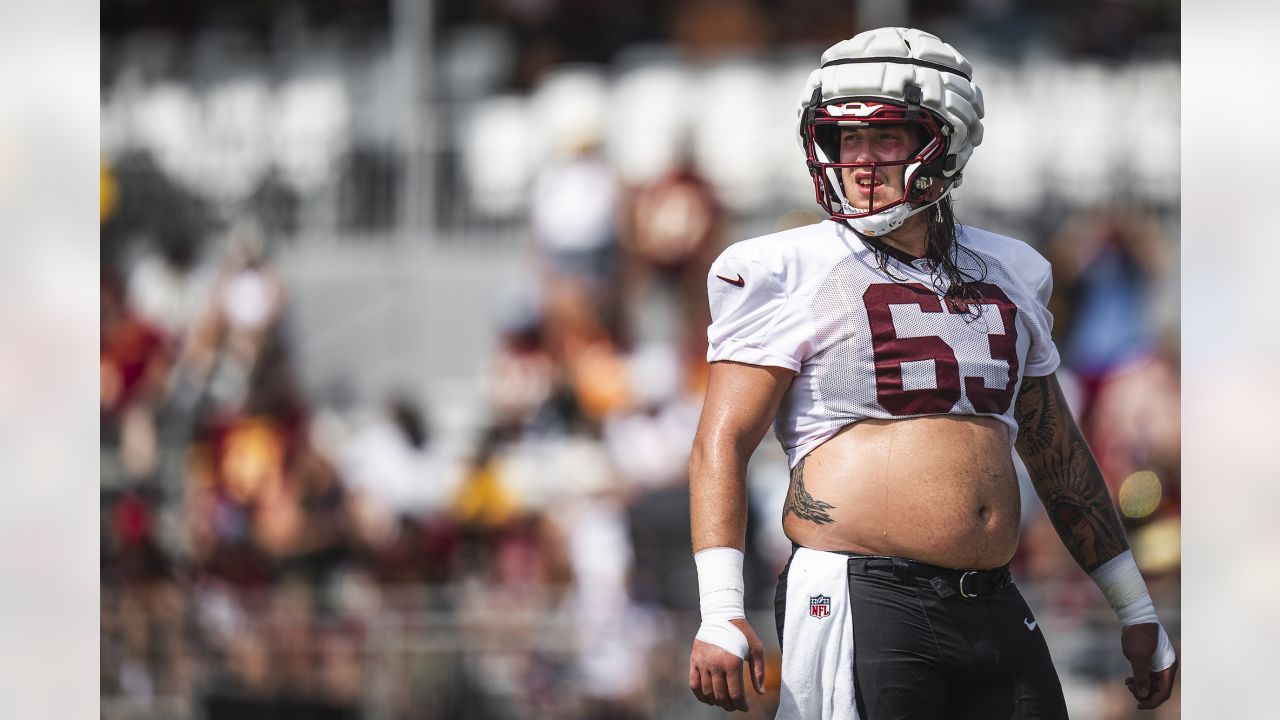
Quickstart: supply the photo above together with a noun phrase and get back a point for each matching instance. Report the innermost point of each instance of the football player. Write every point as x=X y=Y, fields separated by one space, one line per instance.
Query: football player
x=904 y=358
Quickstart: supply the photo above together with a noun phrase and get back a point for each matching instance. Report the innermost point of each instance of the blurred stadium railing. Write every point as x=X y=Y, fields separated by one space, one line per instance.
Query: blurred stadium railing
x=425 y=653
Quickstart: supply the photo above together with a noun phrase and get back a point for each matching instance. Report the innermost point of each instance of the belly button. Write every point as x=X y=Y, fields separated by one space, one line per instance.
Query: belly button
x=984 y=513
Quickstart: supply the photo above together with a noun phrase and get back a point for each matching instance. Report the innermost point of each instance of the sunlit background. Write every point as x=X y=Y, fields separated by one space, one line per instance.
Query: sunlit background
x=402 y=333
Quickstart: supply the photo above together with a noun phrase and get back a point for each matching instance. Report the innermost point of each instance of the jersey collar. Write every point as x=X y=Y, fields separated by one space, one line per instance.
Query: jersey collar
x=905 y=258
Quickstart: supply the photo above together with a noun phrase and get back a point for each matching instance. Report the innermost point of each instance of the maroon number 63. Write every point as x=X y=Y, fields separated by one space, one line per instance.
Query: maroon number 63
x=891 y=351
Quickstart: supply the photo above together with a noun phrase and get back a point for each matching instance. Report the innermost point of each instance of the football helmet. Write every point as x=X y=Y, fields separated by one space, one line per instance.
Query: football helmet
x=898 y=76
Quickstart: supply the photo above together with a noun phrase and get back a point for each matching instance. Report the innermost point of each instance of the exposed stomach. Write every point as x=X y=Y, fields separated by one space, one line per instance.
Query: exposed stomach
x=940 y=489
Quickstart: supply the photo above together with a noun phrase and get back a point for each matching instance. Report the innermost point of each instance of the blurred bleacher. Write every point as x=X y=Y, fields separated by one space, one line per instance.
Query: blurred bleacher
x=312 y=151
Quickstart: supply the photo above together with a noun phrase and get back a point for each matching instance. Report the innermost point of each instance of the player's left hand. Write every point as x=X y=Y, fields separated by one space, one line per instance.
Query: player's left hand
x=1138 y=642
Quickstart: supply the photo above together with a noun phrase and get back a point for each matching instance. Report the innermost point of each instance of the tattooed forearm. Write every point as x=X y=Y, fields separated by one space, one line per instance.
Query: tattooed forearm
x=1066 y=475
x=1037 y=416
x=803 y=505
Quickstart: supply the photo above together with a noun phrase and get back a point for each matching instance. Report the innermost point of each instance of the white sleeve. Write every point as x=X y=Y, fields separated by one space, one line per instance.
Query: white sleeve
x=754 y=322
x=1042 y=356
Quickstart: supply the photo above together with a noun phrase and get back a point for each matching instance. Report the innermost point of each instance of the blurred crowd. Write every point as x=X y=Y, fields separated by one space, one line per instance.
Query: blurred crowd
x=258 y=546
x=269 y=552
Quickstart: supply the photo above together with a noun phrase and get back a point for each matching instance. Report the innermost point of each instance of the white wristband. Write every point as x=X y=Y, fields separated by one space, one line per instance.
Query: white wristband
x=1164 y=655
x=1122 y=584
x=720 y=592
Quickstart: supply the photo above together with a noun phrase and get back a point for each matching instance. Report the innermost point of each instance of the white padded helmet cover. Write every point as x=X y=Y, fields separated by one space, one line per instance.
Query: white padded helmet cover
x=956 y=100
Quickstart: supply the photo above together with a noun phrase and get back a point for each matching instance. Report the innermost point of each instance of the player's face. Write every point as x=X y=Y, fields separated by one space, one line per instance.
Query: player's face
x=875 y=143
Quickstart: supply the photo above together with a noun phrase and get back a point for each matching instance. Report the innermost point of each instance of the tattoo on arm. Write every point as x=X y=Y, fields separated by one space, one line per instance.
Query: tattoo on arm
x=801 y=503
x=1037 y=417
x=1066 y=475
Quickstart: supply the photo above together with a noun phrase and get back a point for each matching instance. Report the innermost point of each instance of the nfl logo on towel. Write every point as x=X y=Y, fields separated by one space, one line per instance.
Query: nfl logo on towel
x=819 y=606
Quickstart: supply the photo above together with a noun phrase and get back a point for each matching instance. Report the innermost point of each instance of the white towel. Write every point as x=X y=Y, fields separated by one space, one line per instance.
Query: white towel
x=817 y=640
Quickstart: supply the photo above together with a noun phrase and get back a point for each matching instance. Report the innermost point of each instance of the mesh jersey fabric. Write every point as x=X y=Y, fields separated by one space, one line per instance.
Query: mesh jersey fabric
x=866 y=343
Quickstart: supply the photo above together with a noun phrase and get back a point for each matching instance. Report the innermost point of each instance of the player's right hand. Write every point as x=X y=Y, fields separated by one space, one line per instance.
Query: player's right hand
x=715 y=674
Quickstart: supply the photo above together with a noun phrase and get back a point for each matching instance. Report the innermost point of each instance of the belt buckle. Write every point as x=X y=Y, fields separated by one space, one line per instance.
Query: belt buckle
x=962 y=577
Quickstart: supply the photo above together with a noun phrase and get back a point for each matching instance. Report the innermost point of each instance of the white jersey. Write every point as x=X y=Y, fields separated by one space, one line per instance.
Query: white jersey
x=866 y=344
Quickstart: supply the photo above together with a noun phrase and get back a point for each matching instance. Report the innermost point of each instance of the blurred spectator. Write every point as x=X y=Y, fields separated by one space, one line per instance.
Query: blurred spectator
x=484 y=500
x=573 y=220
x=400 y=492
x=1136 y=425
x=144 y=648
x=300 y=518
x=134 y=360
x=393 y=462
x=519 y=378
x=132 y=552
x=588 y=365
x=1107 y=266
x=167 y=287
x=246 y=302
x=675 y=228
x=649 y=440
x=613 y=636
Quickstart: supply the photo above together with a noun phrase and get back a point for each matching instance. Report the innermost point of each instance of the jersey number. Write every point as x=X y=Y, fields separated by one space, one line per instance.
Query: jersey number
x=892 y=351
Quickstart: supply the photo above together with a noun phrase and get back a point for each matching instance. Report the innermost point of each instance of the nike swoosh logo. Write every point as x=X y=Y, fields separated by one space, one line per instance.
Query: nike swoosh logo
x=739 y=282
x=1031 y=624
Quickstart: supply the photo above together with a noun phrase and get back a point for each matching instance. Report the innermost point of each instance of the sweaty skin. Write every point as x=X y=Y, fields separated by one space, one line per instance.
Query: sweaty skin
x=883 y=487
x=939 y=489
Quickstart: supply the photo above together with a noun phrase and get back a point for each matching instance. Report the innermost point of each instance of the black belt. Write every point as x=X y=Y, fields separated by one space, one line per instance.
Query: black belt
x=947 y=582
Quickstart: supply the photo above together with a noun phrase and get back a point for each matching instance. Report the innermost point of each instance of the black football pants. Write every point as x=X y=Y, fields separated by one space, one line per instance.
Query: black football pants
x=922 y=650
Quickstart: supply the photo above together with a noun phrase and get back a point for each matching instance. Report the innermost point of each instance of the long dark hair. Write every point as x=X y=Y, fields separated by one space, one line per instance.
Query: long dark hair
x=943 y=252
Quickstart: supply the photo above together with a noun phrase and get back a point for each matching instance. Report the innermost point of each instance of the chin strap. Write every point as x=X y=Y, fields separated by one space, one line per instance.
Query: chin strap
x=867 y=226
